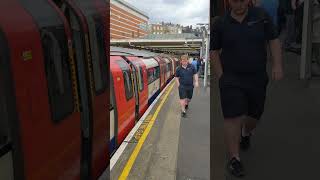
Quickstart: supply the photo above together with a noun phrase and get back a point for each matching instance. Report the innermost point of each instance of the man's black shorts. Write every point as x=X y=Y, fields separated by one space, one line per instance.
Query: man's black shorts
x=185 y=92
x=243 y=95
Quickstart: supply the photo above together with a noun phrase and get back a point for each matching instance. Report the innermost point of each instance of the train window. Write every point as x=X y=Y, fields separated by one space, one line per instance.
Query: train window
x=157 y=72
x=141 y=84
x=127 y=84
x=99 y=61
x=4 y=116
x=58 y=72
x=112 y=103
x=126 y=78
x=56 y=58
x=97 y=43
x=168 y=67
x=153 y=74
x=4 y=128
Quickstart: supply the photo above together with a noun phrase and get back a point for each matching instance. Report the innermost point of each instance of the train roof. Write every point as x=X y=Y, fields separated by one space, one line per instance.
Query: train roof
x=133 y=52
x=150 y=62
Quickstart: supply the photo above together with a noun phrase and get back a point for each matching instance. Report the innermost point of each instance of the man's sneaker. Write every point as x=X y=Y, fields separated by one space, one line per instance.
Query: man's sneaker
x=245 y=142
x=187 y=106
x=183 y=114
x=235 y=168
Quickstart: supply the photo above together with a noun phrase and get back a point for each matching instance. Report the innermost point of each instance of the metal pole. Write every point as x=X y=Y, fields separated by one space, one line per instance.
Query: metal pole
x=306 y=48
x=206 y=62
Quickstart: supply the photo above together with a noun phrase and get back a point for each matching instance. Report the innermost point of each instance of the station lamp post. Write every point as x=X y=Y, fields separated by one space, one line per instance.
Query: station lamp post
x=204 y=51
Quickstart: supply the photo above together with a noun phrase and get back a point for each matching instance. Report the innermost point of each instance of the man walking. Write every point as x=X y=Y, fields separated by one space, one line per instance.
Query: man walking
x=239 y=53
x=195 y=64
x=186 y=78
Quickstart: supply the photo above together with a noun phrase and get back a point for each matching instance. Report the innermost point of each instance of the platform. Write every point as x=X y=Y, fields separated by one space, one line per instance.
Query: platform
x=175 y=148
x=286 y=143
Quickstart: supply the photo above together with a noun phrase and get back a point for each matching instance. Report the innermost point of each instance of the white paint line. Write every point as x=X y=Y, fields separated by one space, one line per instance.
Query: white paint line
x=124 y=144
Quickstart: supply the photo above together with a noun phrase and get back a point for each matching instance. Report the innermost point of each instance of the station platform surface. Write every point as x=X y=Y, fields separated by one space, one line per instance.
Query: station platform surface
x=286 y=142
x=175 y=147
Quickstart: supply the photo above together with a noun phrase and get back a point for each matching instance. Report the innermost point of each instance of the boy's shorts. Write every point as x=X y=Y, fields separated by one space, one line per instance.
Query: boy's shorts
x=243 y=95
x=185 y=93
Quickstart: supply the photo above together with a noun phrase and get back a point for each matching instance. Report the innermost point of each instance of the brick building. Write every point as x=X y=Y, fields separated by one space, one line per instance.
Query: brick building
x=165 y=28
x=126 y=21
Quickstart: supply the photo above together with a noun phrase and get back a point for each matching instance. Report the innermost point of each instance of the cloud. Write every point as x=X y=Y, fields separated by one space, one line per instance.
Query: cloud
x=185 y=12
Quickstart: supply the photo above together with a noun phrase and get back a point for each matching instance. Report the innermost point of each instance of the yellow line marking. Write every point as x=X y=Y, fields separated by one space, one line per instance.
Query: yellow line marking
x=138 y=147
x=142 y=128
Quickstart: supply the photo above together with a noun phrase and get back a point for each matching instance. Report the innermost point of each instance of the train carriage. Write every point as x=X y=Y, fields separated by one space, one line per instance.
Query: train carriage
x=53 y=125
x=124 y=99
x=153 y=76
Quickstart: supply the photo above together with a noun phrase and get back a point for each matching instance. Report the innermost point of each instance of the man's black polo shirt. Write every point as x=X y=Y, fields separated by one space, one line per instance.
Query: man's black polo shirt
x=243 y=44
x=186 y=76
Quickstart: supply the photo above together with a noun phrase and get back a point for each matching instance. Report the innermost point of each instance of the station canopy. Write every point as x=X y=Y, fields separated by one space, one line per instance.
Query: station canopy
x=167 y=43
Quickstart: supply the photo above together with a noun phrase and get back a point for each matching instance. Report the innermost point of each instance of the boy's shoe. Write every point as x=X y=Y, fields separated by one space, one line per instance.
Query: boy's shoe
x=235 y=167
x=183 y=114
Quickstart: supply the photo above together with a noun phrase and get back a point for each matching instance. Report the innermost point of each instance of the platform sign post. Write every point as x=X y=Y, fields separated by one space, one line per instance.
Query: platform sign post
x=206 y=62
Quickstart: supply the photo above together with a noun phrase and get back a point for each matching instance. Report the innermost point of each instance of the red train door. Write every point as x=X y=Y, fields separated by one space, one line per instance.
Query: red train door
x=162 y=72
x=124 y=97
x=7 y=110
x=90 y=25
x=141 y=86
x=135 y=81
x=46 y=130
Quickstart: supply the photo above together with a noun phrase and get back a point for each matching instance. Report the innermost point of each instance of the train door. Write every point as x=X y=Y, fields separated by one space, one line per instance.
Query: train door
x=93 y=29
x=135 y=82
x=7 y=108
x=46 y=130
x=113 y=118
x=141 y=85
x=167 y=70
x=124 y=96
x=162 y=72
x=172 y=67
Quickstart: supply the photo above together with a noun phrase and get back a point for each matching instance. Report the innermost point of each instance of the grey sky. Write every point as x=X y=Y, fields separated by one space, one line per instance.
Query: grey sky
x=185 y=12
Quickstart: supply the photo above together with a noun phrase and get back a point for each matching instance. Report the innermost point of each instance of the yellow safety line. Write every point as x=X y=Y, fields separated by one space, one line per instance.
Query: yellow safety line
x=138 y=147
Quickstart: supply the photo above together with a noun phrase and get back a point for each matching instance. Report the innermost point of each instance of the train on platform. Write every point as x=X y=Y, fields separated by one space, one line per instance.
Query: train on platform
x=54 y=91
x=137 y=77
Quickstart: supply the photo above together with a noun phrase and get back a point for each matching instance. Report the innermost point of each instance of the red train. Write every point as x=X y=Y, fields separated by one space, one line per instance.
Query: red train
x=54 y=93
x=137 y=77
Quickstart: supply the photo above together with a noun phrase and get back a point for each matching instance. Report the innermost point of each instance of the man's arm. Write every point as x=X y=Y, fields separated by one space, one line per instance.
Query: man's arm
x=277 y=69
x=216 y=46
x=196 y=80
x=177 y=80
x=217 y=67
